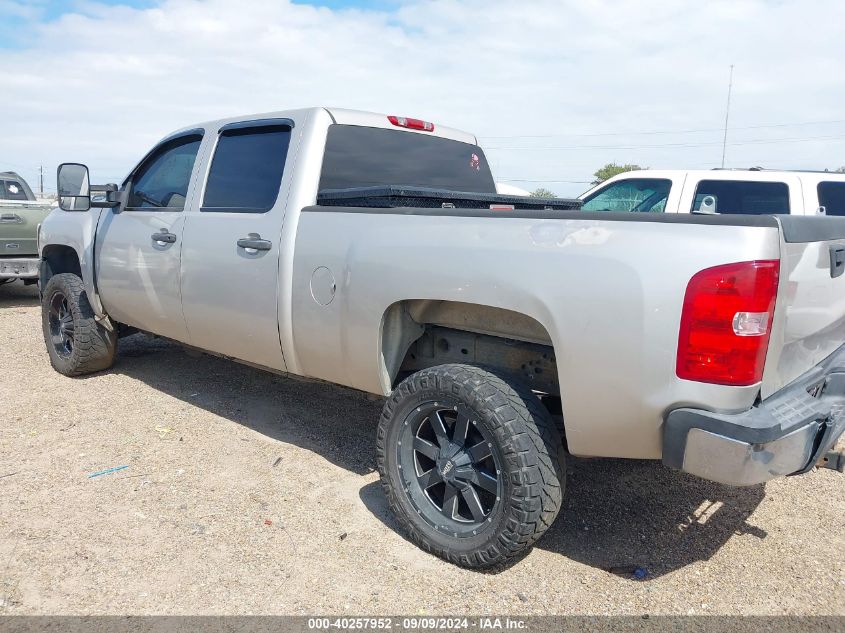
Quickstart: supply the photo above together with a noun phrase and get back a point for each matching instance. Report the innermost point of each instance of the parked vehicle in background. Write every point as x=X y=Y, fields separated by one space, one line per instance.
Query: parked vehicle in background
x=20 y=216
x=502 y=331
x=735 y=191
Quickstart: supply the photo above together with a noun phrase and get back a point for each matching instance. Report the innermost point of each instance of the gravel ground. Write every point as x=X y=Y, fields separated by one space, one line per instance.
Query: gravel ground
x=250 y=493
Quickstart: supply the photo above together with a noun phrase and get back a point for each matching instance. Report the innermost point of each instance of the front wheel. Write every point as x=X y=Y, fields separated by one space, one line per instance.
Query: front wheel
x=470 y=464
x=76 y=342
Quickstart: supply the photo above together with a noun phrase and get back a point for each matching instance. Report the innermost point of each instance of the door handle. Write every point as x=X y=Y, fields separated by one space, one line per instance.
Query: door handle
x=164 y=237
x=11 y=218
x=253 y=243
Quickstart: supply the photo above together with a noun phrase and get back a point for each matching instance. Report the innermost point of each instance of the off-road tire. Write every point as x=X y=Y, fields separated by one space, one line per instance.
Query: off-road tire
x=527 y=443
x=94 y=346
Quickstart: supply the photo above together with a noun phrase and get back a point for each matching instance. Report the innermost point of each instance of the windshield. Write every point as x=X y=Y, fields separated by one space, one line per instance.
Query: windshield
x=359 y=156
x=630 y=195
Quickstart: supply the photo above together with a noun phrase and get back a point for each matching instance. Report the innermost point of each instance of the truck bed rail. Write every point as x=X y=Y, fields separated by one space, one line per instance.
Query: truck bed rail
x=400 y=196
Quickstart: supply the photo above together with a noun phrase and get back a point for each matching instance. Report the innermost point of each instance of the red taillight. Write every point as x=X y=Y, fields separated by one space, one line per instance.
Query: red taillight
x=726 y=322
x=411 y=124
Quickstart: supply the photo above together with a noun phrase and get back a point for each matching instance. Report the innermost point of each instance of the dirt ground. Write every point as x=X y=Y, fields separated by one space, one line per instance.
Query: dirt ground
x=250 y=493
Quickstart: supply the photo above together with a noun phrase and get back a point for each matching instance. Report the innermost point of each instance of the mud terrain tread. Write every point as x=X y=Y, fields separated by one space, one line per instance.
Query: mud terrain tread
x=94 y=345
x=530 y=444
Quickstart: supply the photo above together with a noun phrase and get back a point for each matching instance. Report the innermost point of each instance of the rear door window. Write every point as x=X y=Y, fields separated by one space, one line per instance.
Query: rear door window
x=646 y=195
x=832 y=197
x=246 y=172
x=742 y=197
x=359 y=156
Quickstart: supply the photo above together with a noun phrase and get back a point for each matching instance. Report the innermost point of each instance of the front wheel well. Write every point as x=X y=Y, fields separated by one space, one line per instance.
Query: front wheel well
x=57 y=259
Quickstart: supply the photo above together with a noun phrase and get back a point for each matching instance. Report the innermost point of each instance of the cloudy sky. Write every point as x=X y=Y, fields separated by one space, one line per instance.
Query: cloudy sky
x=554 y=89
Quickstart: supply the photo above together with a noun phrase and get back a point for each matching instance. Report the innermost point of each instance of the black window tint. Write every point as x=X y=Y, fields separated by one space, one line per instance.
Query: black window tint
x=743 y=197
x=632 y=194
x=162 y=180
x=247 y=169
x=358 y=156
x=832 y=197
x=12 y=190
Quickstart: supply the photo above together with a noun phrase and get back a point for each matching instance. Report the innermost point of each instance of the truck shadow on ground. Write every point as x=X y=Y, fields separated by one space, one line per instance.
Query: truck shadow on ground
x=623 y=515
x=618 y=515
x=16 y=295
x=337 y=423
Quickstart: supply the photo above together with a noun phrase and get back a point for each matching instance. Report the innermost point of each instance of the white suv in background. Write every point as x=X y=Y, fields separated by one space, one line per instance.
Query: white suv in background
x=745 y=192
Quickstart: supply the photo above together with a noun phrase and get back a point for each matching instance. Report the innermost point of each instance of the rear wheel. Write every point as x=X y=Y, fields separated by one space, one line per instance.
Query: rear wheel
x=470 y=464
x=76 y=342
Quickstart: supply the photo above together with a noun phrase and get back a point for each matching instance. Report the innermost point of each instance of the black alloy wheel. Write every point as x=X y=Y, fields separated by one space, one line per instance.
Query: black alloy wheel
x=61 y=325
x=449 y=467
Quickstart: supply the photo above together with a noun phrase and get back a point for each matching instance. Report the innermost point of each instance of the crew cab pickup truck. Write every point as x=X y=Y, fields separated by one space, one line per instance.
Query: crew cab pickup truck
x=20 y=215
x=736 y=191
x=503 y=335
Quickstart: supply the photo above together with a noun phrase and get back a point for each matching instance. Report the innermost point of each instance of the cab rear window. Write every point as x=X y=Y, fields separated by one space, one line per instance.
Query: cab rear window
x=358 y=156
x=832 y=197
x=12 y=190
x=741 y=197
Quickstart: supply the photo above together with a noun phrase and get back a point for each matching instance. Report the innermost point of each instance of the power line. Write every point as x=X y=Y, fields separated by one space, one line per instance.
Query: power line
x=657 y=132
x=761 y=141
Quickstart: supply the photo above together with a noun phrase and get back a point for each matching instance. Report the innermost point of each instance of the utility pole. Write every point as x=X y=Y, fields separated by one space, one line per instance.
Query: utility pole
x=727 y=114
x=41 y=176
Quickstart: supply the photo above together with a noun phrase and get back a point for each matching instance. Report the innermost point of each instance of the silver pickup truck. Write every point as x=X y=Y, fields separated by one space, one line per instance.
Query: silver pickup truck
x=503 y=336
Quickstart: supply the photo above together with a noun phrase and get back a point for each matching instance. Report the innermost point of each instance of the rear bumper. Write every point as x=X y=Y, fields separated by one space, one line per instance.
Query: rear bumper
x=786 y=434
x=19 y=267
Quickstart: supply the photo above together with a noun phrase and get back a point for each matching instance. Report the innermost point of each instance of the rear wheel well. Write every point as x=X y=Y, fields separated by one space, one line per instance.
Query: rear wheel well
x=56 y=259
x=418 y=334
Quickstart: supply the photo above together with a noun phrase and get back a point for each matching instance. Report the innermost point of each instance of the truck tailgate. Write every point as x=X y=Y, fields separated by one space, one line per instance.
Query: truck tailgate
x=809 y=322
x=18 y=225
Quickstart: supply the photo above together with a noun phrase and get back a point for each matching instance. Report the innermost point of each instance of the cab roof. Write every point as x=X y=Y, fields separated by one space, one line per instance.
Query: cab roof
x=342 y=116
x=754 y=173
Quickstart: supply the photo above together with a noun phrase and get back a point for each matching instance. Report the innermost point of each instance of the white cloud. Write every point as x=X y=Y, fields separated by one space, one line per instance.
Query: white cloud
x=103 y=84
x=16 y=9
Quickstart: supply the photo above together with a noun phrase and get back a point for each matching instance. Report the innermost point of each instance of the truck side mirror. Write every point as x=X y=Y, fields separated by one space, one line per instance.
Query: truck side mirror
x=74 y=187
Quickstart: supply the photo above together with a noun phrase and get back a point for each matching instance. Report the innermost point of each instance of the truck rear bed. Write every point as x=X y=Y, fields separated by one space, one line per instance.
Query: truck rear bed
x=18 y=224
x=18 y=238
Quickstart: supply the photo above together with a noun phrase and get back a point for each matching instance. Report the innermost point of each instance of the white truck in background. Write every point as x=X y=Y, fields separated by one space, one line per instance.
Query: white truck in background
x=734 y=191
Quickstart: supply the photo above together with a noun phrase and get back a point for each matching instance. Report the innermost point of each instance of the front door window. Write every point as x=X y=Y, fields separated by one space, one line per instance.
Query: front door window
x=161 y=182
